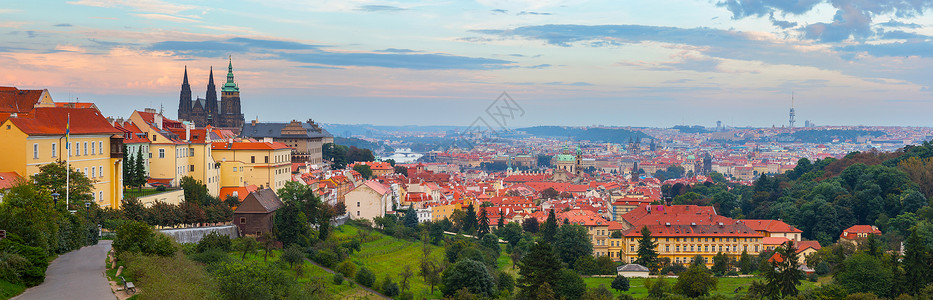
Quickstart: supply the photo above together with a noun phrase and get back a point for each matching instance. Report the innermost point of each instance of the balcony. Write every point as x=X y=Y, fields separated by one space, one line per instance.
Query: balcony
x=116 y=146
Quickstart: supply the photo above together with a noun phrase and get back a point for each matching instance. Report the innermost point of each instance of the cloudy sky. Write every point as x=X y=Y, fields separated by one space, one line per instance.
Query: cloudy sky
x=573 y=62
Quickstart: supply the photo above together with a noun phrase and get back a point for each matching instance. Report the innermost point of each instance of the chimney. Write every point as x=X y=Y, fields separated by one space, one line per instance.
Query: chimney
x=158 y=121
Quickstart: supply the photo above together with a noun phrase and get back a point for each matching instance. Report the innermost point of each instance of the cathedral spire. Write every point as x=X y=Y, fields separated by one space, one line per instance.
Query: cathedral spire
x=230 y=86
x=211 y=80
x=186 y=76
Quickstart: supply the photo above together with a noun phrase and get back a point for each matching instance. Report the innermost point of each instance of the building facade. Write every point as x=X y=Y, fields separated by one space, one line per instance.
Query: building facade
x=206 y=111
x=306 y=139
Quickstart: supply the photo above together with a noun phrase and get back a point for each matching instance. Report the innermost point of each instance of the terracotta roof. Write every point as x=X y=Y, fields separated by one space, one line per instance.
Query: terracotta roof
x=725 y=230
x=52 y=121
x=13 y=100
x=241 y=191
x=851 y=233
x=8 y=179
x=774 y=240
x=376 y=186
x=803 y=245
x=770 y=226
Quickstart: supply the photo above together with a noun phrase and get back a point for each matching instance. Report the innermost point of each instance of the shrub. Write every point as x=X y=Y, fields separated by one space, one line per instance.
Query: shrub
x=252 y=281
x=347 y=268
x=338 y=278
x=326 y=258
x=138 y=237
x=25 y=264
x=366 y=277
x=215 y=241
x=389 y=288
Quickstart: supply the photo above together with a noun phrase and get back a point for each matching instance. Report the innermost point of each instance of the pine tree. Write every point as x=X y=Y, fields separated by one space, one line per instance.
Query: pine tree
x=917 y=259
x=549 y=230
x=501 y=223
x=411 y=217
x=127 y=168
x=139 y=170
x=538 y=267
x=782 y=274
x=483 y=222
x=469 y=221
x=647 y=254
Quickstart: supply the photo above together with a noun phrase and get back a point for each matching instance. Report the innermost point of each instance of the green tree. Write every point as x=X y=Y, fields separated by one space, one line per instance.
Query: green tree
x=538 y=267
x=364 y=170
x=469 y=274
x=569 y=285
x=401 y=170
x=549 y=229
x=720 y=264
x=294 y=257
x=483 y=222
x=917 y=262
x=411 y=217
x=863 y=273
x=245 y=244
x=52 y=178
x=469 y=220
x=366 y=277
x=252 y=281
x=292 y=226
x=572 y=242
x=620 y=283
x=782 y=275
x=647 y=254
x=746 y=265
x=389 y=288
x=139 y=169
x=128 y=171
x=336 y=154
x=695 y=281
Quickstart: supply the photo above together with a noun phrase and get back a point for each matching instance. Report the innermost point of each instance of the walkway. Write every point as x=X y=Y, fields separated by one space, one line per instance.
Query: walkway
x=77 y=274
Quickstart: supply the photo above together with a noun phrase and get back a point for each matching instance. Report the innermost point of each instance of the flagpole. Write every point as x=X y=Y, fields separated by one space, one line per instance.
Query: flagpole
x=68 y=165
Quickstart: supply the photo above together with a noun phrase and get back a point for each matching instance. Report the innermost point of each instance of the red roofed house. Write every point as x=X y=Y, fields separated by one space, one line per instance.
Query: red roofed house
x=32 y=132
x=806 y=248
x=266 y=164
x=858 y=232
x=7 y=180
x=379 y=168
x=369 y=200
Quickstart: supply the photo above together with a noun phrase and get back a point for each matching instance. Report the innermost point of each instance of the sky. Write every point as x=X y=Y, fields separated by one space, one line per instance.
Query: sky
x=654 y=63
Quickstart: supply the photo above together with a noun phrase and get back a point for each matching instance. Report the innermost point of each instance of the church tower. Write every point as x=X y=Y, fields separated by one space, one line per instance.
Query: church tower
x=230 y=114
x=184 y=101
x=210 y=105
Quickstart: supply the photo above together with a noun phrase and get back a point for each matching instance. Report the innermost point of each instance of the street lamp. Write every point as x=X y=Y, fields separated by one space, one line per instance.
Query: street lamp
x=55 y=197
x=87 y=206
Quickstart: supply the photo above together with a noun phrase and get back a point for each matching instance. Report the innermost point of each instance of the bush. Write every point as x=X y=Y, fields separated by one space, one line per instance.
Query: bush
x=215 y=241
x=366 y=277
x=389 y=288
x=137 y=237
x=812 y=277
x=347 y=268
x=327 y=258
x=822 y=268
x=20 y=263
x=338 y=278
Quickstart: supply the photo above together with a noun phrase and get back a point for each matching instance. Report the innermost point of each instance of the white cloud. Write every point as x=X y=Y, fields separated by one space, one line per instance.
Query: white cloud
x=169 y=18
x=155 y=6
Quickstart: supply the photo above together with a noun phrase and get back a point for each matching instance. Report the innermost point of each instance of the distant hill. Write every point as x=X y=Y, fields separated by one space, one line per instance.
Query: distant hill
x=375 y=147
x=691 y=129
x=609 y=135
x=347 y=130
x=827 y=136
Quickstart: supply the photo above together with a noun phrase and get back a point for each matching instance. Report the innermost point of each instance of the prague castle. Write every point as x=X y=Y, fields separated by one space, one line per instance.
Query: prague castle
x=203 y=112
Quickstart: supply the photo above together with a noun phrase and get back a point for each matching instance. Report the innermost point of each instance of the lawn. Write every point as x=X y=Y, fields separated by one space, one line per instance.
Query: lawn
x=347 y=290
x=9 y=290
x=726 y=285
x=383 y=255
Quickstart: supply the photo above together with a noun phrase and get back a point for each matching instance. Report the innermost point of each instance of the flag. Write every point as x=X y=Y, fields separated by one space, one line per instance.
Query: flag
x=68 y=130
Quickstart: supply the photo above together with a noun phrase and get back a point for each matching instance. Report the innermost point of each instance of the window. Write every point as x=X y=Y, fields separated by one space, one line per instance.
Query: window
x=100 y=147
x=101 y=194
x=35 y=151
x=93 y=151
x=357 y=204
x=190 y=168
x=190 y=151
x=54 y=150
x=77 y=149
x=85 y=148
x=161 y=153
x=252 y=159
x=100 y=171
x=68 y=146
x=85 y=172
x=242 y=220
x=357 y=213
x=267 y=159
x=93 y=171
x=234 y=169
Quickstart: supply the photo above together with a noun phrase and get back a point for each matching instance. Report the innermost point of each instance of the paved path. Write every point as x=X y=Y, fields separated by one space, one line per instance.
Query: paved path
x=77 y=274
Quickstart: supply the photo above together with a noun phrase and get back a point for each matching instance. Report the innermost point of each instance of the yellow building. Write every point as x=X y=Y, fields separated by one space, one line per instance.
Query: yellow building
x=440 y=212
x=681 y=243
x=177 y=150
x=37 y=137
x=267 y=164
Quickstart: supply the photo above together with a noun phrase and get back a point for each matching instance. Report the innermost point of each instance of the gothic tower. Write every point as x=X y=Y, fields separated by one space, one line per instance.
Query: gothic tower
x=230 y=114
x=210 y=105
x=184 y=101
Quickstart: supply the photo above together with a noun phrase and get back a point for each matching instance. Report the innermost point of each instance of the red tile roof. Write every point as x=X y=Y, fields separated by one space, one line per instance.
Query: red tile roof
x=52 y=121
x=726 y=230
x=8 y=179
x=13 y=100
x=803 y=245
x=771 y=226
x=851 y=233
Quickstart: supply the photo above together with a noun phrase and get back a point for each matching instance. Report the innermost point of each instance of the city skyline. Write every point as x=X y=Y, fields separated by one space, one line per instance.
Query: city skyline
x=639 y=63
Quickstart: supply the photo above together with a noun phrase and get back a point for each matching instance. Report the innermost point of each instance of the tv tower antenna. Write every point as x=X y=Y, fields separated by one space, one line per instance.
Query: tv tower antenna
x=791 y=121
